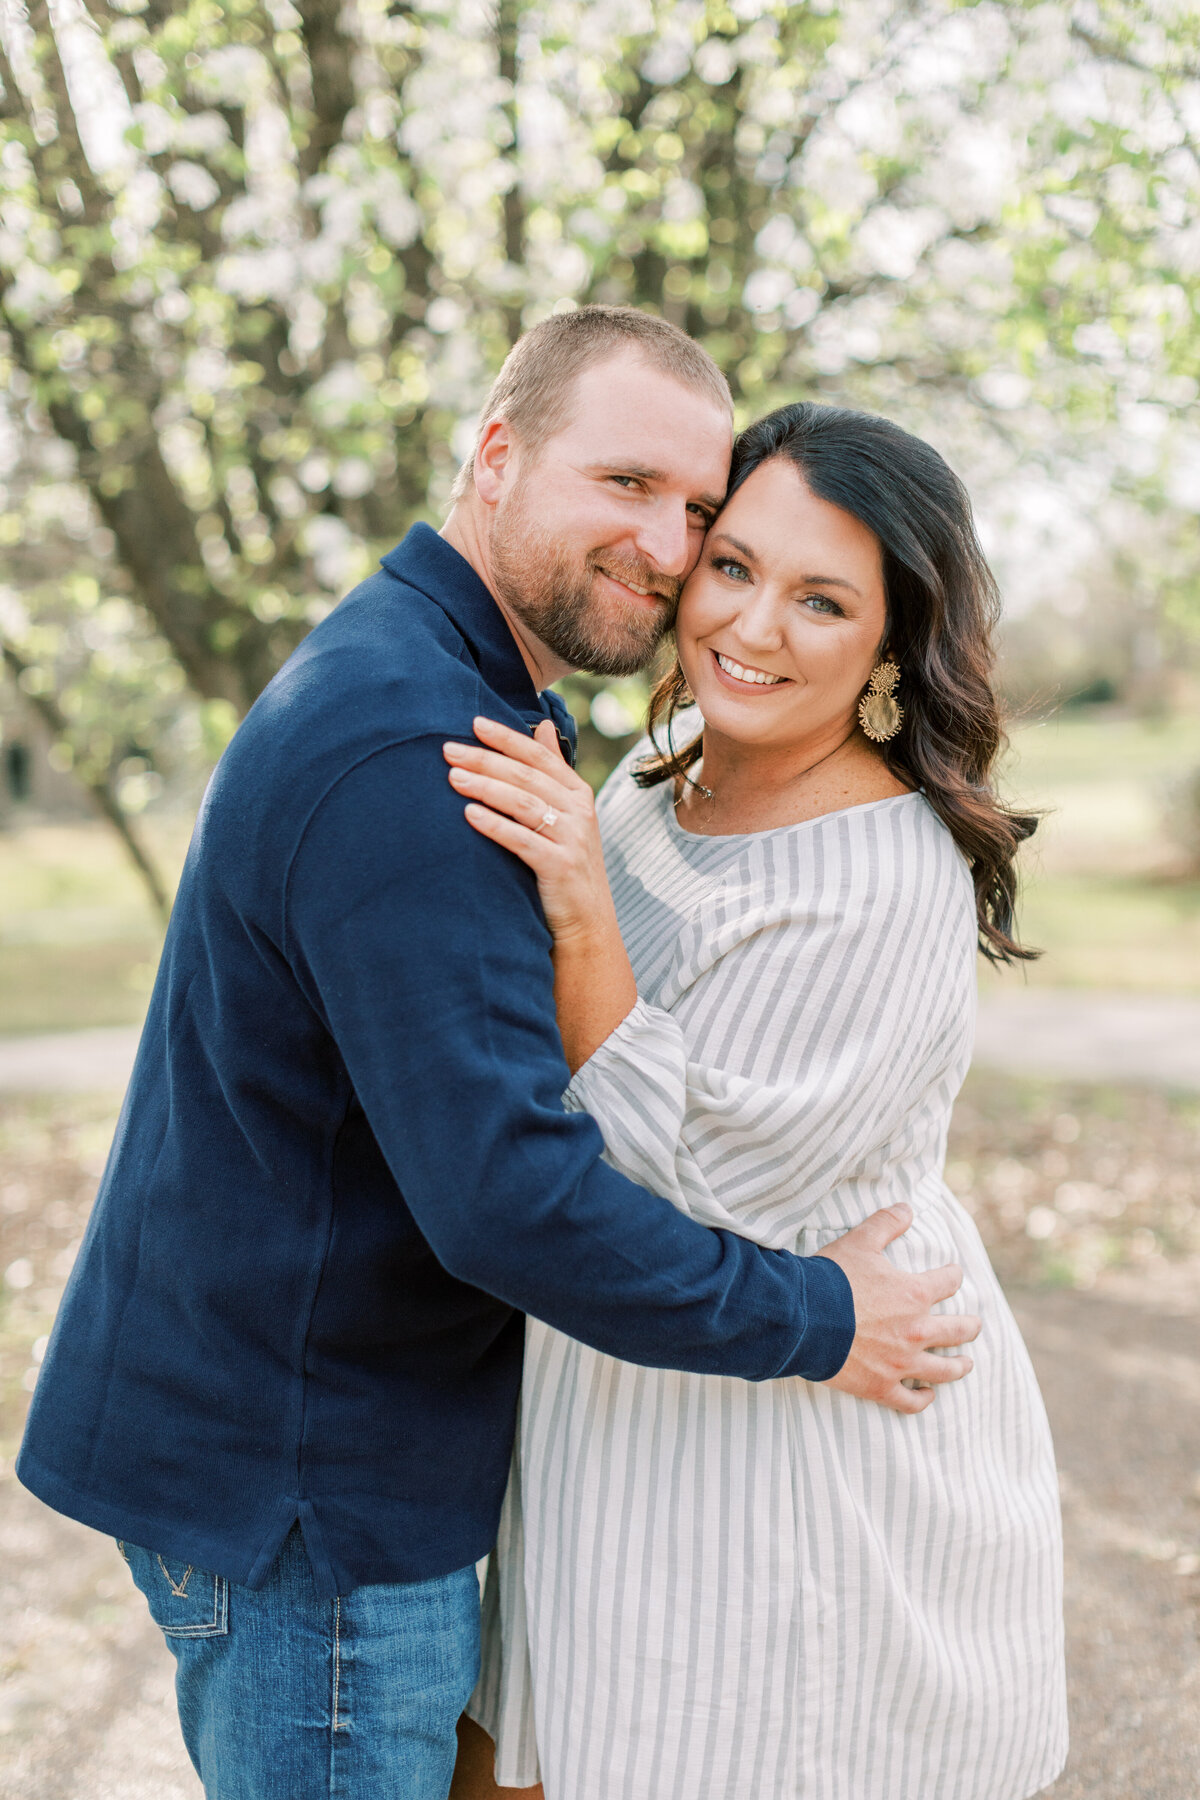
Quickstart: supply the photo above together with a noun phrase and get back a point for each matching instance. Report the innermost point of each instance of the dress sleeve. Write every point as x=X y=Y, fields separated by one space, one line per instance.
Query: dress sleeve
x=793 y=1054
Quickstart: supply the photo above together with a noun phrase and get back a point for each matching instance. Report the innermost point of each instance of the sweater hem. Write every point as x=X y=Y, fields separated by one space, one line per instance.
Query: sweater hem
x=250 y=1568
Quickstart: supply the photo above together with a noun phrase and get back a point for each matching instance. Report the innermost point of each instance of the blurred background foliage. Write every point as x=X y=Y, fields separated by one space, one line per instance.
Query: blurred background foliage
x=260 y=258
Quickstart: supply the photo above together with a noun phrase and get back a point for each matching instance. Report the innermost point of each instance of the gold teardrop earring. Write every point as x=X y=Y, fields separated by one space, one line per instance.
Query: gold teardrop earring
x=879 y=712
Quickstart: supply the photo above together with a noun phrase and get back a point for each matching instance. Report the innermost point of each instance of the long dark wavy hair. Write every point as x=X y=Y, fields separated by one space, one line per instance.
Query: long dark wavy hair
x=942 y=604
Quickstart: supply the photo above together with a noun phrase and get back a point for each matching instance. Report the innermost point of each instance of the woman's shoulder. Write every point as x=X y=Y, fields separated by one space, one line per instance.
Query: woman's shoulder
x=915 y=840
x=867 y=863
x=901 y=822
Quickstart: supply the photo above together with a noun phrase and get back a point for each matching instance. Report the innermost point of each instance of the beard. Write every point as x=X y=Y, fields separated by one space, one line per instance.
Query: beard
x=554 y=594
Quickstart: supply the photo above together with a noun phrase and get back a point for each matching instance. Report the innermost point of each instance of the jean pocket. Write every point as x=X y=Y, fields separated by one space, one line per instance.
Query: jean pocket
x=184 y=1601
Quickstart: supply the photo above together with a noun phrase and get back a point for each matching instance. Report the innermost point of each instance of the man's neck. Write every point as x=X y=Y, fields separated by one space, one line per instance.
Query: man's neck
x=462 y=531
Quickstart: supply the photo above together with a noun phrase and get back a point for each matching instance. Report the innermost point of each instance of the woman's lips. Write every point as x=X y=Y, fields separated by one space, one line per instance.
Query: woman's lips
x=735 y=683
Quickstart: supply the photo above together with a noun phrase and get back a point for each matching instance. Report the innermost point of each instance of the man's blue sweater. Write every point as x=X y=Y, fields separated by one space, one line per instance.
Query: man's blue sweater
x=342 y=1172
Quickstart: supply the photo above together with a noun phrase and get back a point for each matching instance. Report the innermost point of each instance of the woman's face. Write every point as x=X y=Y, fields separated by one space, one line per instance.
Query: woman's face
x=783 y=618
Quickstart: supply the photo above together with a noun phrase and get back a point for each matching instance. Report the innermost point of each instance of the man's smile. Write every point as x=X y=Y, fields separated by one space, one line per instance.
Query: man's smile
x=655 y=595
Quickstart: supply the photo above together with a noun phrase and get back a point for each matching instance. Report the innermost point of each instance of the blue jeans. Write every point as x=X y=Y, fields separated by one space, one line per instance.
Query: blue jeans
x=286 y=1696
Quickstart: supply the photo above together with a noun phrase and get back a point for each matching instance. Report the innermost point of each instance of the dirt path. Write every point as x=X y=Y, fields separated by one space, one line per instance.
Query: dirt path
x=86 y=1709
x=1122 y=1386
x=1078 y=1034
x=69 y=1062
x=86 y=1702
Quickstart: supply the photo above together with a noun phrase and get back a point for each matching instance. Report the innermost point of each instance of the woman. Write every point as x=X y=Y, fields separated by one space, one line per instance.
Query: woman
x=706 y=1589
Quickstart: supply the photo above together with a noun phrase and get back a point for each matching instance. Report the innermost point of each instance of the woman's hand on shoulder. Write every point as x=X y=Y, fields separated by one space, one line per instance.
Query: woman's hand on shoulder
x=522 y=794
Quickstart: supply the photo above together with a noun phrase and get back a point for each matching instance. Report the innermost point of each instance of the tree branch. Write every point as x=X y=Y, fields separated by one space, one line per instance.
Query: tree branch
x=100 y=789
x=508 y=24
x=156 y=539
x=12 y=101
x=331 y=64
x=1105 y=50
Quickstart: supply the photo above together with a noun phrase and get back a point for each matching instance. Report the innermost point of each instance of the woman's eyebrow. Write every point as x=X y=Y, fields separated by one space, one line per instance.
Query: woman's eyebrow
x=736 y=543
x=830 y=581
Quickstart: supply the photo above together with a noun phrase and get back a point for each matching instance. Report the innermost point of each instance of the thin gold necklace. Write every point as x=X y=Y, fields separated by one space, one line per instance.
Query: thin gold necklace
x=708 y=794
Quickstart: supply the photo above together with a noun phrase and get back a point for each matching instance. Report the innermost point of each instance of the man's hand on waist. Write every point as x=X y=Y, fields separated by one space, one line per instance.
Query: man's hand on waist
x=896 y=1330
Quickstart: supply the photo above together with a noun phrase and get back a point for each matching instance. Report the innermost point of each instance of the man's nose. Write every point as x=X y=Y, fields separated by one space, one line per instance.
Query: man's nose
x=664 y=539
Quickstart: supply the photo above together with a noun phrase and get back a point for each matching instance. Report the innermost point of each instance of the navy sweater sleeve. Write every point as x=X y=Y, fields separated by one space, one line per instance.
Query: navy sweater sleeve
x=423 y=947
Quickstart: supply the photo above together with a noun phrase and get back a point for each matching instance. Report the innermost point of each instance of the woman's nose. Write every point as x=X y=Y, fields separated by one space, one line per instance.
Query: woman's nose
x=759 y=624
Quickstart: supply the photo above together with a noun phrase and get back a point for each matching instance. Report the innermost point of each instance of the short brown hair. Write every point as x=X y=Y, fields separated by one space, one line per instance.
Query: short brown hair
x=533 y=389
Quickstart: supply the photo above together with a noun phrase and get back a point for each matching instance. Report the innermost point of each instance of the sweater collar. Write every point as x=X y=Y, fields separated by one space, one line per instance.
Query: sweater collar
x=435 y=568
x=427 y=562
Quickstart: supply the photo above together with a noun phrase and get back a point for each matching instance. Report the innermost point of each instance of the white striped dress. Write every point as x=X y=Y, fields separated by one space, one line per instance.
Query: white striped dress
x=709 y=1589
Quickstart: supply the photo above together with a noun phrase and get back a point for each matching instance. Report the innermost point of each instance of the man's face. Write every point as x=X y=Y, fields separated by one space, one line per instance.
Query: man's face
x=593 y=535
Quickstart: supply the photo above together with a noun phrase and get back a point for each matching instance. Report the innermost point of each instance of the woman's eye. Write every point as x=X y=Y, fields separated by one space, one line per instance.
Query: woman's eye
x=823 y=604
x=726 y=565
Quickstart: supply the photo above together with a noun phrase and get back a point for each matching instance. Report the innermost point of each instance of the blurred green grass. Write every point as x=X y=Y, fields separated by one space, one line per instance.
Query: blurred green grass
x=1104 y=896
x=79 y=941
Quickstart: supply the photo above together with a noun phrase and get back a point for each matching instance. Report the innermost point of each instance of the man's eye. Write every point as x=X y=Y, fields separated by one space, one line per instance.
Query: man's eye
x=625 y=480
x=701 y=515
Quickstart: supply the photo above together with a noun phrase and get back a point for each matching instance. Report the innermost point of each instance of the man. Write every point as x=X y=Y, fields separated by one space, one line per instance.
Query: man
x=286 y=1366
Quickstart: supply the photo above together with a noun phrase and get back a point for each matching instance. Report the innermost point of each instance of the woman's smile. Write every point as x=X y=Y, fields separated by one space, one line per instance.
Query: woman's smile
x=743 y=676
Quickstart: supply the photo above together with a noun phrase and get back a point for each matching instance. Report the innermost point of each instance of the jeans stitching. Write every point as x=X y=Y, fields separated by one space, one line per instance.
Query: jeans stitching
x=217 y=1626
x=339 y=1724
x=179 y=1592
